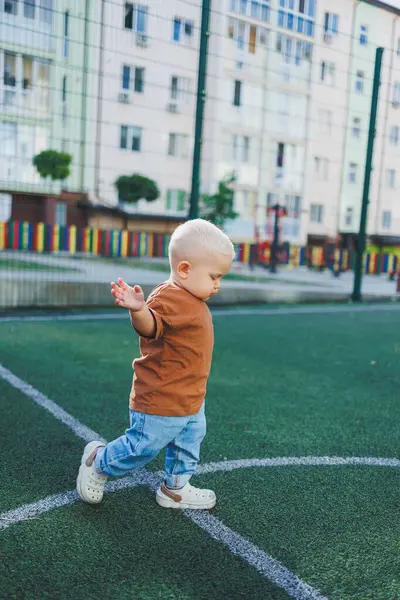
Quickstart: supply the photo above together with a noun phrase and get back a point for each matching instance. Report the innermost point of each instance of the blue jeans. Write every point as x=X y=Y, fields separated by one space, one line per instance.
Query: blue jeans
x=147 y=436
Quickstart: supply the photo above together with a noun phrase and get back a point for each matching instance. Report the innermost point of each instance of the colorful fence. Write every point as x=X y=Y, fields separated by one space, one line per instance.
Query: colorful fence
x=39 y=237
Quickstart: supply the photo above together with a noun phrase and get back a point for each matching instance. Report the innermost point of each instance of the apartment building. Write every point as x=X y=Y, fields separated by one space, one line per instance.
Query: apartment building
x=44 y=102
x=288 y=99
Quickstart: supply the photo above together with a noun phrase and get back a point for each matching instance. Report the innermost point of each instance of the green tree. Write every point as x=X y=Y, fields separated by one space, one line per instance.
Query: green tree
x=218 y=207
x=53 y=164
x=132 y=188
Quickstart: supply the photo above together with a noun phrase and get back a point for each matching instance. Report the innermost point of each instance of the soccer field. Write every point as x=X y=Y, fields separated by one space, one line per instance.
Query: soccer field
x=302 y=449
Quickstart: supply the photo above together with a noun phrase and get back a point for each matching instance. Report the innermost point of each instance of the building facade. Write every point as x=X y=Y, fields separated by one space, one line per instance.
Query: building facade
x=289 y=86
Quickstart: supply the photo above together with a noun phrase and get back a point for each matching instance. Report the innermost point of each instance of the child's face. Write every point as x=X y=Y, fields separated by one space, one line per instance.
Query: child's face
x=202 y=278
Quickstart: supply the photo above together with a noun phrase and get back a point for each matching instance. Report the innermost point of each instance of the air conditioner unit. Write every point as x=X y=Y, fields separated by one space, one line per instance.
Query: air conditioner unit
x=142 y=40
x=327 y=37
x=124 y=98
x=172 y=107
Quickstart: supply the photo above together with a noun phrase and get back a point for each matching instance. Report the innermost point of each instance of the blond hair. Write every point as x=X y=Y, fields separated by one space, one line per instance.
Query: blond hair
x=198 y=237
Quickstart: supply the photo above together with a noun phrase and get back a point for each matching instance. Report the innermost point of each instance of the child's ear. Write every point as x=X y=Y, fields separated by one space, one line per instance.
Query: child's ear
x=183 y=269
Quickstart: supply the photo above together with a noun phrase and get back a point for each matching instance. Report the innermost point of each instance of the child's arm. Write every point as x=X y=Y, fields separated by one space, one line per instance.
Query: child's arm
x=132 y=298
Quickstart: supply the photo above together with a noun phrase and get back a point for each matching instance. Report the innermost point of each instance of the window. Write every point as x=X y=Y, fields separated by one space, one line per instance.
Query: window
x=176 y=201
x=396 y=94
x=391 y=178
x=360 y=82
x=280 y=155
x=293 y=51
x=11 y=7
x=8 y=138
x=135 y=17
x=66 y=34
x=29 y=9
x=348 y=219
x=356 y=130
x=180 y=88
x=394 y=135
x=27 y=72
x=331 y=23
x=133 y=78
x=178 y=145
x=131 y=138
x=297 y=15
x=241 y=148
x=46 y=11
x=353 y=172
x=364 y=35
x=398 y=46
x=321 y=168
x=256 y=9
x=246 y=149
x=386 y=219
x=317 y=213
x=237 y=95
x=182 y=31
x=60 y=217
x=64 y=89
x=328 y=72
x=10 y=69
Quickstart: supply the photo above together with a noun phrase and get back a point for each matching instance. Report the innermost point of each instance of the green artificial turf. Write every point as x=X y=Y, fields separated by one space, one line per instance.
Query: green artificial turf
x=16 y=264
x=39 y=455
x=281 y=385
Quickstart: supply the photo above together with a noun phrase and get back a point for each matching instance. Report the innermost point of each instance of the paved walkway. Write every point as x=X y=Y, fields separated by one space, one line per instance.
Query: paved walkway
x=104 y=271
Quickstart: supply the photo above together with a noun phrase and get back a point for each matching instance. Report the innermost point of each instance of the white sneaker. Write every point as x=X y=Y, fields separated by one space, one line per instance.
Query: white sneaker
x=89 y=483
x=186 y=497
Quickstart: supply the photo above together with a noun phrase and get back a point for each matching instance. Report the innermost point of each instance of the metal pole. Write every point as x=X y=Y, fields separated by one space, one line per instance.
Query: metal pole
x=275 y=241
x=356 y=296
x=201 y=100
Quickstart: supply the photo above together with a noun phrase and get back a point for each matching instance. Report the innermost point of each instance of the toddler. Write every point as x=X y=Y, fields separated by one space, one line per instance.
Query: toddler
x=169 y=384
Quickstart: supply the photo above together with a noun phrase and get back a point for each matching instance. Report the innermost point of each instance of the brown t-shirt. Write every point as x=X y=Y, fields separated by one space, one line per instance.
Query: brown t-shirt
x=171 y=374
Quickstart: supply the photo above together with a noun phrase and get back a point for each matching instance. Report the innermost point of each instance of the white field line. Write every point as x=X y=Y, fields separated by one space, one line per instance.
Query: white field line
x=29 y=511
x=295 y=310
x=270 y=568
x=289 y=461
x=262 y=562
x=59 y=413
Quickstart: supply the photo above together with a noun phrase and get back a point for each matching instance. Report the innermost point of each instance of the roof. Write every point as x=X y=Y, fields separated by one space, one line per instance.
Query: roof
x=383 y=6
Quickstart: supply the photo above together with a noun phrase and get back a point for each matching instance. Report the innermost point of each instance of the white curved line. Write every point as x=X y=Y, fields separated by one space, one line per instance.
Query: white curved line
x=286 y=461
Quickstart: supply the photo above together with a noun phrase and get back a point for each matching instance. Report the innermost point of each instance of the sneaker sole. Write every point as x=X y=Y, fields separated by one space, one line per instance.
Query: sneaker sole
x=86 y=452
x=167 y=503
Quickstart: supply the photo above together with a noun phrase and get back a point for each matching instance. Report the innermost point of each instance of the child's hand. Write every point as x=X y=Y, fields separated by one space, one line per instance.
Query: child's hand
x=128 y=297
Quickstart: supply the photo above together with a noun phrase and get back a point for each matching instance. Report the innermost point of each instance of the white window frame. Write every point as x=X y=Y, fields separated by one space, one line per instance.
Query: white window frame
x=394 y=135
x=390 y=178
x=132 y=78
x=349 y=215
x=60 y=211
x=328 y=23
x=132 y=132
x=256 y=9
x=396 y=94
x=321 y=165
x=356 y=128
x=138 y=11
x=360 y=80
x=353 y=172
x=175 y=196
x=328 y=70
x=386 y=219
x=178 y=145
x=363 y=35
x=317 y=213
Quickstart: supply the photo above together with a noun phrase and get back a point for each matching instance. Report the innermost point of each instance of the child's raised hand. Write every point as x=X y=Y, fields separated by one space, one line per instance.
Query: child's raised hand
x=126 y=296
